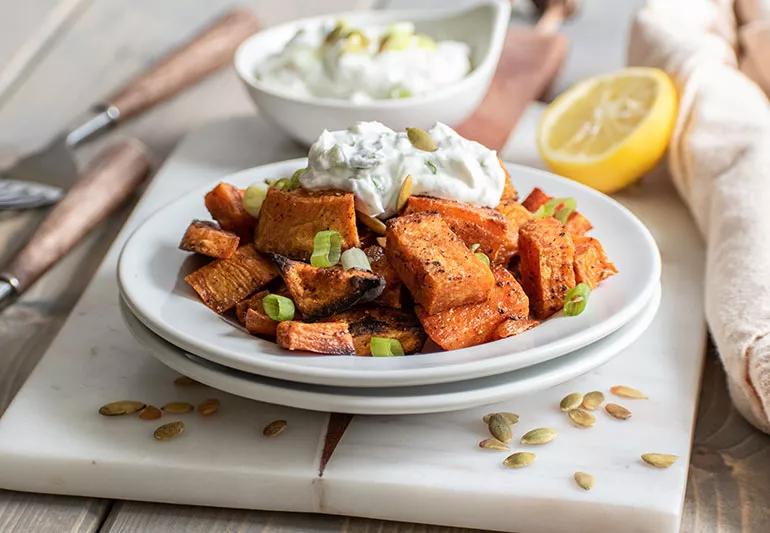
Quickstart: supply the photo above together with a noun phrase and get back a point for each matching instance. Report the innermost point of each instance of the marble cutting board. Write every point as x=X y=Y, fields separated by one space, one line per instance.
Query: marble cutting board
x=419 y=468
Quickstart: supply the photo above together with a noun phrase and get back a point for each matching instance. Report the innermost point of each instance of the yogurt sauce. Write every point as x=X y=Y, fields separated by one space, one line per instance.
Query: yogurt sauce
x=371 y=161
x=361 y=65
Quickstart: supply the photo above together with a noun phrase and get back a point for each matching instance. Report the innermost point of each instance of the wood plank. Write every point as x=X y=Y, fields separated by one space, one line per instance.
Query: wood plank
x=138 y=516
x=44 y=513
x=728 y=489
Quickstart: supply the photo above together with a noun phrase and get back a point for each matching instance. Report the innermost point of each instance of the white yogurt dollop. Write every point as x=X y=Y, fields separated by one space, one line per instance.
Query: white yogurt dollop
x=371 y=161
x=357 y=66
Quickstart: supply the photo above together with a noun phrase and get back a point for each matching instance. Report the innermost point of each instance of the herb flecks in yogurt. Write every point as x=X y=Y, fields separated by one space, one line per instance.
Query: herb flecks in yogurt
x=335 y=60
x=372 y=161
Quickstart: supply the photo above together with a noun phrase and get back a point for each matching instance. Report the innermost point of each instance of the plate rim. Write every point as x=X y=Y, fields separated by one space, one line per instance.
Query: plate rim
x=392 y=377
x=582 y=361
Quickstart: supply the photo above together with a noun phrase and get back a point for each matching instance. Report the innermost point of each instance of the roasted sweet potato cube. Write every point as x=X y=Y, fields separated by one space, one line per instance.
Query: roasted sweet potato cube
x=547 y=255
x=511 y=327
x=371 y=321
x=252 y=302
x=591 y=263
x=474 y=225
x=331 y=338
x=434 y=264
x=576 y=223
x=223 y=283
x=517 y=215
x=207 y=238
x=225 y=203
x=288 y=221
x=259 y=323
x=391 y=295
x=473 y=324
x=319 y=292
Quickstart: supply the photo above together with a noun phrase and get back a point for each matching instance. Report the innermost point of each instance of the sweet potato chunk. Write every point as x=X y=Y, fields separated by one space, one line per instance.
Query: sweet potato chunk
x=207 y=238
x=511 y=327
x=474 y=225
x=591 y=263
x=252 y=302
x=258 y=323
x=517 y=215
x=319 y=292
x=332 y=338
x=547 y=255
x=223 y=283
x=367 y=322
x=434 y=264
x=576 y=223
x=225 y=203
x=289 y=221
x=391 y=295
x=473 y=324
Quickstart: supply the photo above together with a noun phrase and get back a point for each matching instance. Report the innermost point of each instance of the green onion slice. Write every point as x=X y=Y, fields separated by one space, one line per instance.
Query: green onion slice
x=475 y=246
x=294 y=180
x=561 y=208
x=385 y=347
x=355 y=258
x=482 y=257
x=253 y=198
x=277 y=307
x=432 y=166
x=576 y=299
x=327 y=248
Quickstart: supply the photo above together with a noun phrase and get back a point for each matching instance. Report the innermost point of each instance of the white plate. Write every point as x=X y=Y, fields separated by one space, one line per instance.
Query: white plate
x=395 y=400
x=151 y=269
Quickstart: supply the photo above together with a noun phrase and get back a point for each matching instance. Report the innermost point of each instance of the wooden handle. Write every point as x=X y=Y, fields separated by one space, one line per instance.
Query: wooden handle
x=209 y=51
x=107 y=182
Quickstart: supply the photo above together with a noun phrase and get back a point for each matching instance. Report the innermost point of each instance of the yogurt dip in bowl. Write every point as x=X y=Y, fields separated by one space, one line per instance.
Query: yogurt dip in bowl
x=438 y=69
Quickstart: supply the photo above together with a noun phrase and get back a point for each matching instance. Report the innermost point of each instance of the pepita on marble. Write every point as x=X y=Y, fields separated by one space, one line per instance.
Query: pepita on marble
x=571 y=401
x=584 y=480
x=539 y=436
x=274 y=428
x=121 y=407
x=512 y=418
x=208 y=407
x=617 y=411
x=519 y=460
x=169 y=431
x=581 y=418
x=178 y=408
x=499 y=428
x=628 y=392
x=659 y=460
x=592 y=400
x=150 y=412
x=493 y=444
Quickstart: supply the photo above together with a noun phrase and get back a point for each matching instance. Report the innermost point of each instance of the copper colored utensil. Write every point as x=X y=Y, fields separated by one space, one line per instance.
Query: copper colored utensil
x=530 y=60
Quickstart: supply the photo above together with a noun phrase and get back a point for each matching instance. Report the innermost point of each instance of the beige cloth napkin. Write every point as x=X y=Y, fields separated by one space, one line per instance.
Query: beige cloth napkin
x=719 y=159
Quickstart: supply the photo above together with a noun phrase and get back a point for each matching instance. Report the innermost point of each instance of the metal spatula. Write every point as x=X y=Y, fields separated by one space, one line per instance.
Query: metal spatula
x=42 y=177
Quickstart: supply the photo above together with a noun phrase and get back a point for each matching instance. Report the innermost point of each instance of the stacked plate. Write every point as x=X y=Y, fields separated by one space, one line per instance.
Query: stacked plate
x=166 y=316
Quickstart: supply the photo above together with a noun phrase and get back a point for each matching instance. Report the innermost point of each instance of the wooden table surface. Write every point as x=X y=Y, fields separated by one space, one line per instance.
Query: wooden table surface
x=57 y=57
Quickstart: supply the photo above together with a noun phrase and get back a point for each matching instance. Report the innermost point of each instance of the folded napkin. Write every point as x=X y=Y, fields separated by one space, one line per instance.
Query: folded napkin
x=719 y=159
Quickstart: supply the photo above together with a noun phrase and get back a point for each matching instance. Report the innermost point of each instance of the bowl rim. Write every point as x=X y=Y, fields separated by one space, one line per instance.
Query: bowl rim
x=488 y=63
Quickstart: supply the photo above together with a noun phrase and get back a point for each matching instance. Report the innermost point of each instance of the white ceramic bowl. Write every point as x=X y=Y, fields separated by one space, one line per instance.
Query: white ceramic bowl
x=483 y=27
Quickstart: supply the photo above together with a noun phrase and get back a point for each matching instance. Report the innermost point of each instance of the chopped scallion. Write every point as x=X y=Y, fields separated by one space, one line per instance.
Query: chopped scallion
x=432 y=166
x=576 y=299
x=355 y=258
x=475 y=246
x=385 y=347
x=278 y=307
x=253 y=198
x=565 y=209
x=482 y=257
x=327 y=248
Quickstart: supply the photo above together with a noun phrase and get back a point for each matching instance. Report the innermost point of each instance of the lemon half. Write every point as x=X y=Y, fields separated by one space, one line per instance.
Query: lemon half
x=607 y=131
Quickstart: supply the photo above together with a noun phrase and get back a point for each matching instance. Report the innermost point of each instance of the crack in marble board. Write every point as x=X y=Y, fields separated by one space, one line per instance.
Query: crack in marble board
x=338 y=423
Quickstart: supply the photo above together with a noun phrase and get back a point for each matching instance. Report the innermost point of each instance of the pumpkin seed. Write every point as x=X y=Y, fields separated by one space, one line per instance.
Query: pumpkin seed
x=121 y=407
x=405 y=193
x=421 y=139
x=584 y=480
x=492 y=444
x=519 y=460
x=178 y=408
x=628 y=392
x=184 y=381
x=208 y=407
x=592 y=400
x=339 y=31
x=169 y=431
x=274 y=428
x=582 y=418
x=571 y=401
x=659 y=460
x=499 y=428
x=150 y=412
x=512 y=418
x=617 y=411
x=374 y=224
x=539 y=436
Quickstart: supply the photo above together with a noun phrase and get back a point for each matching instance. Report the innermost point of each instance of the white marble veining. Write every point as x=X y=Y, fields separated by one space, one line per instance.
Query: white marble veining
x=422 y=468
